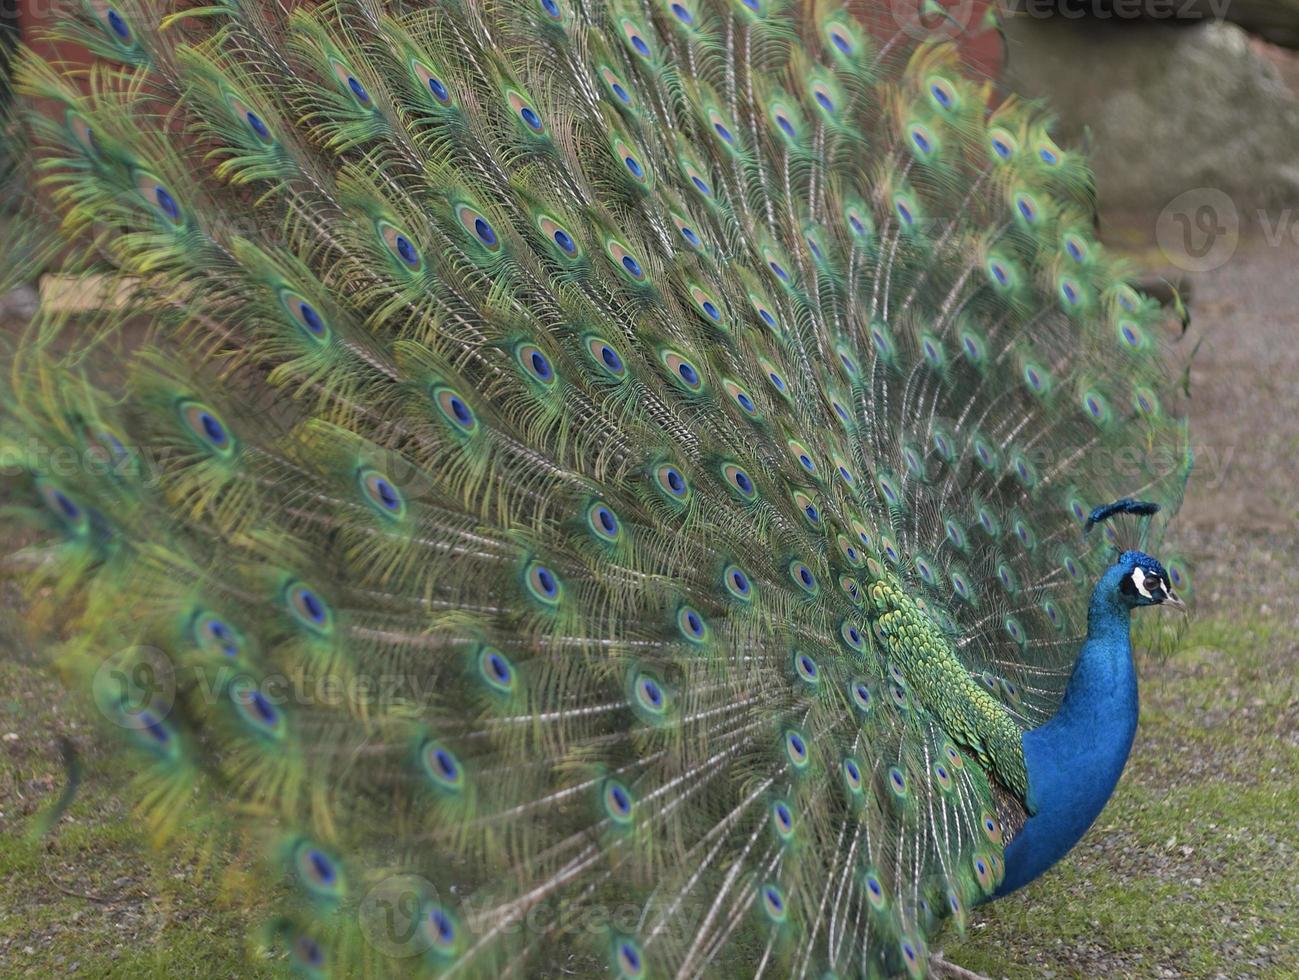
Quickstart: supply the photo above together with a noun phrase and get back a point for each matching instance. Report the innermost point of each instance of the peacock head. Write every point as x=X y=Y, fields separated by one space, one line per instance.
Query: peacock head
x=1136 y=577
x=1142 y=581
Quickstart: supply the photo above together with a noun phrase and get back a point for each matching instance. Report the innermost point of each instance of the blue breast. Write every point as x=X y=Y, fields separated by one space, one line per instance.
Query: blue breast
x=1075 y=760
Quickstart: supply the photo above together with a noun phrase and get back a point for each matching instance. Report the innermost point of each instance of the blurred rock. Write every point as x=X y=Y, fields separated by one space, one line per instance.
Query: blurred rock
x=1273 y=20
x=1276 y=21
x=1166 y=107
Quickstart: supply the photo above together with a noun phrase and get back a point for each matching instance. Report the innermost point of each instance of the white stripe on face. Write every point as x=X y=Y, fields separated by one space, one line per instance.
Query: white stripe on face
x=1139 y=580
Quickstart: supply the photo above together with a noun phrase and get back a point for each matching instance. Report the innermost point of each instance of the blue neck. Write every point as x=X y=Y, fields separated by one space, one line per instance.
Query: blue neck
x=1075 y=759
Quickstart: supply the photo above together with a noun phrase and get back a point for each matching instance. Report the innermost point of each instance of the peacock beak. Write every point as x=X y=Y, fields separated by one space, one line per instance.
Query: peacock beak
x=1171 y=599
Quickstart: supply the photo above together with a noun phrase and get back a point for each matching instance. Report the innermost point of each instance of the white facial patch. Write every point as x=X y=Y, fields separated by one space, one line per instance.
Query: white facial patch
x=1139 y=579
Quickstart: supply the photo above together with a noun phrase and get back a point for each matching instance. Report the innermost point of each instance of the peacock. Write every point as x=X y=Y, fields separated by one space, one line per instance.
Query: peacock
x=622 y=487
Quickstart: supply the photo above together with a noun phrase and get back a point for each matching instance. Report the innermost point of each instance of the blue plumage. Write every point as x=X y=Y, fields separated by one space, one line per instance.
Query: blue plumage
x=1074 y=761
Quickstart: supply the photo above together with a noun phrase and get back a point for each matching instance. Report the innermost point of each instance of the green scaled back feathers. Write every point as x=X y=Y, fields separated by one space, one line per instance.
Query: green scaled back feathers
x=597 y=480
